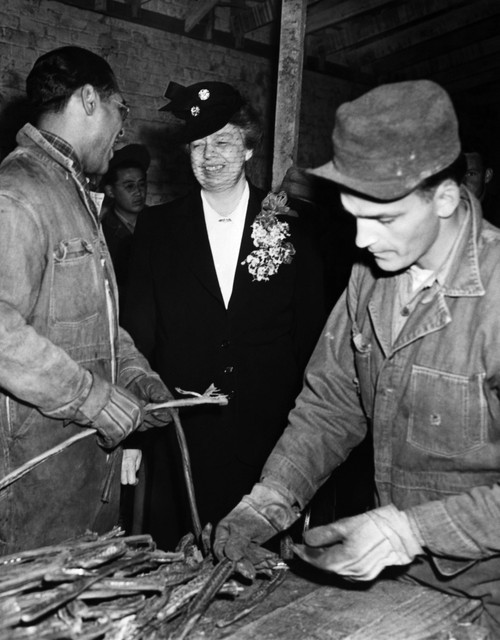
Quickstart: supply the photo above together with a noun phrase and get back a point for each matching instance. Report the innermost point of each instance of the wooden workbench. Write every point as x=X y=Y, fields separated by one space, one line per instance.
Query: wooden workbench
x=316 y=607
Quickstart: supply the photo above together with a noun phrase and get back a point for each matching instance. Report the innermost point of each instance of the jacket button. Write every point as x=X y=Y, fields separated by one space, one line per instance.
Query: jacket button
x=229 y=370
x=225 y=344
x=405 y=312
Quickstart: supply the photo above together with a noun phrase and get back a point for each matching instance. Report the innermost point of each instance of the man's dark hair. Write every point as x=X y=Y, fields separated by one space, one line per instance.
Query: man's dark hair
x=56 y=75
x=455 y=171
x=112 y=175
x=248 y=119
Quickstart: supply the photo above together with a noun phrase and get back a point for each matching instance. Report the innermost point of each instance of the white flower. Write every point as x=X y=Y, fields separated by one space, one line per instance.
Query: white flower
x=269 y=236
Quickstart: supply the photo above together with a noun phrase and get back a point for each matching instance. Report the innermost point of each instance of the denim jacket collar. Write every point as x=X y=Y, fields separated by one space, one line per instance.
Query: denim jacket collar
x=463 y=279
x=30 y=136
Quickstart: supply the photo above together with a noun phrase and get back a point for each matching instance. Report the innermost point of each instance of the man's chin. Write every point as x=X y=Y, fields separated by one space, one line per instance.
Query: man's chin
x=385 y=263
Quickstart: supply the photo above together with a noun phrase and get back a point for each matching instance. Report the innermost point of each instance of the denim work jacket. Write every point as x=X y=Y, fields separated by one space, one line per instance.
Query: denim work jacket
x=58 y=321
x=431 y=400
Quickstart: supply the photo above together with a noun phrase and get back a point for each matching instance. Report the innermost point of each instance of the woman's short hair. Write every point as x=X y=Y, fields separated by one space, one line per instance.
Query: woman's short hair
x=247 y=118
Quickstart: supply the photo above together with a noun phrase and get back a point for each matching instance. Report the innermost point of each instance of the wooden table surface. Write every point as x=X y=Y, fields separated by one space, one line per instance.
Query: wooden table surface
x=319 y=608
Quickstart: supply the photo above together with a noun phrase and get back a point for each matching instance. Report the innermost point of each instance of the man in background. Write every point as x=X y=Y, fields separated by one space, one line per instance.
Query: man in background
x=126 y=188
x=478 y=179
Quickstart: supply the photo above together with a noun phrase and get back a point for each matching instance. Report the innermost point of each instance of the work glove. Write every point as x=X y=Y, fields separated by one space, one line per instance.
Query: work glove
x=257 y=518
x=111 y=410
x=150 y=389
x=131 y=463
x=362 y=546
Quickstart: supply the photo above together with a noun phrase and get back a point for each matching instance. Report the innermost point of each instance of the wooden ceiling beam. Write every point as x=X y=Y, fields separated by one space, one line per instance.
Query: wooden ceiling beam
x=403 y=40
x=452 y=63
x=196 y=11
x=473 y=69
x=487 y=78
x=468 y=35
x=326 y=14
x=388 y=21
x=254 y=17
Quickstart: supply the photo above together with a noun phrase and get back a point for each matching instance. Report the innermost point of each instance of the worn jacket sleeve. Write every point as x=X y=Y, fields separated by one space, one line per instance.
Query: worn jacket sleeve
x=464 y=526
x=327 y=421
x=131 y=363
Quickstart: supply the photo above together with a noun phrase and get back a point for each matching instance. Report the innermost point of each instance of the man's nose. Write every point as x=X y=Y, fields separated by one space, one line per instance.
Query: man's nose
x=137 y=187
x=365 y=233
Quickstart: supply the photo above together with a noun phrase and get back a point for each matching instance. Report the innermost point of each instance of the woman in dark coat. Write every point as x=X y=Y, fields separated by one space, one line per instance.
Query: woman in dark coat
x=203 y=313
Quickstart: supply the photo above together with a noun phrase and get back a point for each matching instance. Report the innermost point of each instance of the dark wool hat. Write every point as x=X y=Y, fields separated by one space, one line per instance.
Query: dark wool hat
x=205 y=107
x=391 y=138
x=131 y=153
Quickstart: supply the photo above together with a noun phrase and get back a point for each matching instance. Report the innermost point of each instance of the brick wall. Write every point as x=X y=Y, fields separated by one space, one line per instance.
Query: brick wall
x=145 y=60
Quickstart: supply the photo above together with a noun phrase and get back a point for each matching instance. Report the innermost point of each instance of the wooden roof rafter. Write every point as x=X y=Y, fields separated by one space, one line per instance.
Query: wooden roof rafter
x=196 y=11
x=398 y=44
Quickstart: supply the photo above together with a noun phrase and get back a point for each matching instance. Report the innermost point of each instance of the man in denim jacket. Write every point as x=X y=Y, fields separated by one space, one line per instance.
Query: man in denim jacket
x=64 y=361
x=411 y=352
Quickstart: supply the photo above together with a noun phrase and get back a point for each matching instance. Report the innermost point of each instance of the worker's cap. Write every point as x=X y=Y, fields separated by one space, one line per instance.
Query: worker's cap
x=205 y=107
x=390 y=139
x=131 y=154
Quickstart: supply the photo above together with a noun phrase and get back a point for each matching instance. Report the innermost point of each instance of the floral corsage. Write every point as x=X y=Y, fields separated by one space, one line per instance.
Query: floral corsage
x=269 y=236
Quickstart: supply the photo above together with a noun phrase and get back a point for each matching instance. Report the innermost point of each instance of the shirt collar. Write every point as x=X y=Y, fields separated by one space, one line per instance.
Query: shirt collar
x=238 y=212
x=68 y=152
x=458 y=274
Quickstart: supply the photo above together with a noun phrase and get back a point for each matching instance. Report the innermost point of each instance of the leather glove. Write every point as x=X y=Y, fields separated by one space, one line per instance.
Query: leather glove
x=257 y=518
x=113 y=411
x=131 y=462
x=109 y=409
x=362 y=546
x=151 y=389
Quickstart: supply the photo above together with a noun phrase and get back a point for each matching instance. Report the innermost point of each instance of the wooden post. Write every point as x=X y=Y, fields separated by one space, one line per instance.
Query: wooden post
x=289 y=83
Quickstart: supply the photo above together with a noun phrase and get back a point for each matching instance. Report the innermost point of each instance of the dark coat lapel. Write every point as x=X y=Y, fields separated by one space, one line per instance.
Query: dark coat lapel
x=195 y=245
x=242 y=279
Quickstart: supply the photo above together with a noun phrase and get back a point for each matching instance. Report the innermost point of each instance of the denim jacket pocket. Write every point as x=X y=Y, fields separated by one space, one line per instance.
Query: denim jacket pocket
x=447 y=412
x=26 y=418
x=449 y=567
x=363 y=360
x=75 y=282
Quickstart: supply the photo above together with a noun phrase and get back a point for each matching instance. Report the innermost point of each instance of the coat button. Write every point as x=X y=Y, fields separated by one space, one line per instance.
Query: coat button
x=225 y=343
x=229 y=370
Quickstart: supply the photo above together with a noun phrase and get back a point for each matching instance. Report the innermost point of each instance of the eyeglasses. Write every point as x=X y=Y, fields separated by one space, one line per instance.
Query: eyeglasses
x=123 y=108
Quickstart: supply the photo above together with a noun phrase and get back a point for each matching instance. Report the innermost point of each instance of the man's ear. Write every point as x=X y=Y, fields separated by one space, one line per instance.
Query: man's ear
x=248 y=154
x=447 y=198
x=488 y=175
x=89 y=97
x=109 y=191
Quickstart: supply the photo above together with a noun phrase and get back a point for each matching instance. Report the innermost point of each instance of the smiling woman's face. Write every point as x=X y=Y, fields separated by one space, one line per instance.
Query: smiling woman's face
x=218 y=160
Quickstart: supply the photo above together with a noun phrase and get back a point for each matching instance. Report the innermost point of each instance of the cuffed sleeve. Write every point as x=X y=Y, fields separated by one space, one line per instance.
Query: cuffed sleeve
x=464 y=526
